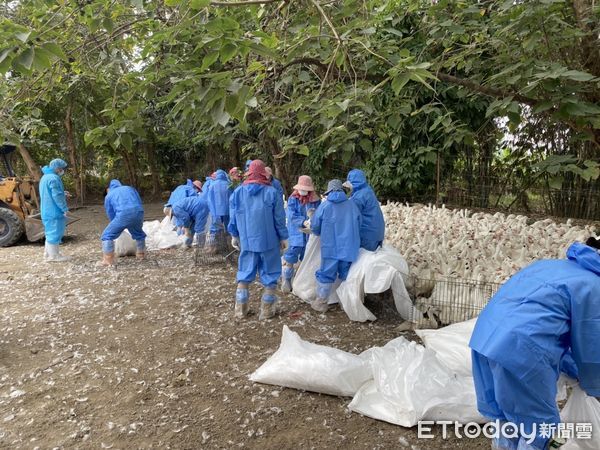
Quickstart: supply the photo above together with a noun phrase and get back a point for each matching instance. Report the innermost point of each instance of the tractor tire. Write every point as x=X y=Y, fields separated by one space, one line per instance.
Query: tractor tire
x=11 y=227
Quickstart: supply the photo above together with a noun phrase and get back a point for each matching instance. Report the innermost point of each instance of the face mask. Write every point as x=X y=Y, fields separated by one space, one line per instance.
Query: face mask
x=303 y=193
x=61 y=172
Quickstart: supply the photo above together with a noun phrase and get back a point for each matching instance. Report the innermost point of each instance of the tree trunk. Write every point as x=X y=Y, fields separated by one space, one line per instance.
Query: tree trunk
x=469 y=163
x=235 y=157
x=135 y=165
x=486 y=146
x=32 y=167
x=155 y=176
x=278 y=168
x=129 y=167
x=73 y=153
x=82 y=176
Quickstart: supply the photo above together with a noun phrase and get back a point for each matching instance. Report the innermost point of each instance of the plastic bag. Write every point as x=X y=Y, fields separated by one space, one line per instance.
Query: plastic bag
x=582 y=409
x=311 y=367
x=162 y=235
x=410 y=384
x=373 y=273
x=125 y=245
x=451 y=345
x=305 y=284
x=352 y=293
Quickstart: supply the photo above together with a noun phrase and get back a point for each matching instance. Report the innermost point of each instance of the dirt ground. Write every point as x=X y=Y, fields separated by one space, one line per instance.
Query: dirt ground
x=148 y=355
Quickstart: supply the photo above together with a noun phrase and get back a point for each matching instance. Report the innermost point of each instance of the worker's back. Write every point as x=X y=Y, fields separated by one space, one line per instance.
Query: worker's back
x=337 y=221
x=192 y=205
x=218 y=194
x=541 y=312
x=122 y=198
x=257 y=214
x=372 y=229
x=181 y=192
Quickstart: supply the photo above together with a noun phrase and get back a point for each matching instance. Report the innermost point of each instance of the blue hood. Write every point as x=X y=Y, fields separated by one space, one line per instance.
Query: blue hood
x=357 y=178
x=337 y=197
x=114 y=184
x=221 y=175
x=189 y=183
x=46 y=170
x=255 y=188
x=586 y=256
x=247 y=166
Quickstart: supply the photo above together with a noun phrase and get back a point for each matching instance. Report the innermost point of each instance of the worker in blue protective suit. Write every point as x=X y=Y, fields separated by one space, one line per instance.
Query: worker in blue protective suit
x=124 y=209
x=218 y=203
x=301 y=206
x=208 y=181
x=192 y=212
x=338 y=222
x=372 y=229
x=258 y=230
x=189 y=189
x=275 y=182
x=53 y=205
x=542 y=321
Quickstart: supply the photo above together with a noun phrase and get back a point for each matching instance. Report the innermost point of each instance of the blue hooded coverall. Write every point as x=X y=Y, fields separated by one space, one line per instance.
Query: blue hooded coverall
x=257 y=218
x=372 y=229
x=337 y=221
x=207 y=182
x=218 y=202
x=124 y=209
x=179 y=193
x=277 y=185
x=543 y=320
x=193 y=213
x=297 y=214
x=53 y=205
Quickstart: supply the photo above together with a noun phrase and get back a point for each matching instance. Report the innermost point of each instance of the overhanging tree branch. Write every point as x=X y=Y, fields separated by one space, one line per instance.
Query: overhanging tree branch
x=327 y=20
x=243 y=3
x=306 y=61
x=490 y=92
x=500 y=93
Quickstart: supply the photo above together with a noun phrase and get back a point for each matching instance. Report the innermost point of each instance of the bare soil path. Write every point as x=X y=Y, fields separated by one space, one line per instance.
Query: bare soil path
x=148 y=355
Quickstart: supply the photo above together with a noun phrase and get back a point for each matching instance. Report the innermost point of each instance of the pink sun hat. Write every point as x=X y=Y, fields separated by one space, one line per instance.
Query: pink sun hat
x=305 y=183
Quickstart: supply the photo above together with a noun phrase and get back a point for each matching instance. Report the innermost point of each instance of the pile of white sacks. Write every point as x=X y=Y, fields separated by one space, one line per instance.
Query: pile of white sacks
x=159 y=236
x=404 y=382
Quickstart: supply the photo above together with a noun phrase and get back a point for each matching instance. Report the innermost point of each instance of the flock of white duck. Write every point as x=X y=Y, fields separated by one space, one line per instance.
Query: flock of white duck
x=440 y=243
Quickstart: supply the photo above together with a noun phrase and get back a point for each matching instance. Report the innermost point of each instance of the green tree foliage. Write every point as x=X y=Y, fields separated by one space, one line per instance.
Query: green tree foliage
x=403 y=88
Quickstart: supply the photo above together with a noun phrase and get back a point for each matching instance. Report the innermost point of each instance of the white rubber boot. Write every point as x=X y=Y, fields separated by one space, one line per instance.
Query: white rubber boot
x=108 y=260
x=241 y=301
x=241 y=310
x=286 y=279
x=54 y=254
x=320 y=303
x=267 y=305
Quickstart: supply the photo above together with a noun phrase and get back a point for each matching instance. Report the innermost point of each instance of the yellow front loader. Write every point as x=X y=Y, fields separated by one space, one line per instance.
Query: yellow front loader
x=19 y=204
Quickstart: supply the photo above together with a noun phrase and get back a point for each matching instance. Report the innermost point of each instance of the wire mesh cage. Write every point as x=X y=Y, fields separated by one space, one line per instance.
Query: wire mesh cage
x=214 y=248
x=446 y=301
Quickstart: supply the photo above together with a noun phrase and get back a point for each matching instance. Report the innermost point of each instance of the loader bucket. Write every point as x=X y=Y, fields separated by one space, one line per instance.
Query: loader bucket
x=34 y=228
